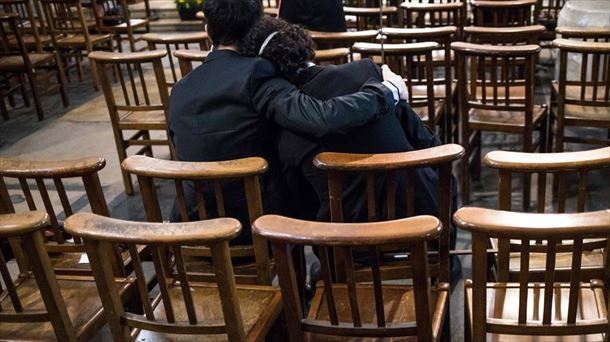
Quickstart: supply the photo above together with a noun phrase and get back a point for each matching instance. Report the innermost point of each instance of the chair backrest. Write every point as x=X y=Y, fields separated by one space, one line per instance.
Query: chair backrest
x=391 y=166
x=210 y=182
x=548 y=10
x=512 y=35
x=65 y=18
x=342 y=39
x=112 y=12
x=58 y=171
x=550 y=318
x=414 y=62
x=434 y=14
x=410 y=234
x=165 y=241
x=333 y=56
x=11 y=41
x=186 y=58
x=494 y=77
x=26 y=230
x=27 y=21
x=503 y=13
x=175 y=42
x=367 y=18
x=594 y=34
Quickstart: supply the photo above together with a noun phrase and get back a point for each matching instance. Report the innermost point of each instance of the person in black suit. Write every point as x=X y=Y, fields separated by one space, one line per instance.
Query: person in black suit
x=316 y=15
x=231 y=106
x=291 y=50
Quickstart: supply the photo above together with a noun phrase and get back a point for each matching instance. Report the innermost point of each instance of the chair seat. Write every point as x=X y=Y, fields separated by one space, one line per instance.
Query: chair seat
x=75 y=261
x=79 y=40
x=502 y=304
x=135 y=23
x=257 y=303
x=591 y=260
x=398 y=302
x=574 y=91
x=16 y=63
x=587 y=116
x=502 y=120
x=154 y=119
x=202 y=269
x=422 y=110
x=30 y=41
x=82 y=303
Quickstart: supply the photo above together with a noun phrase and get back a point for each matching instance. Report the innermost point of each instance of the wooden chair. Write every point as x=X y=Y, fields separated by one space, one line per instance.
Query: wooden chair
x=342 y=39
x=584 y=100
x=561 y=165
x=28 y=23
x=38 y=305
x=183 y=308
x=16 y=61
x=113 y=17
x=353 y=310
x=426 y=14
x=333 y=56
x=592 y=34
x=69 y=31
x=176 y=42
x=497 y=95
x=367 y=18
x=445 y=87
x=186 y=58
x=414 y=62
x=511 y=35
x=504 y=13
x=526 y=310
x=65 y=254
x=210 y=182
x=135 y=109
x=547 y=12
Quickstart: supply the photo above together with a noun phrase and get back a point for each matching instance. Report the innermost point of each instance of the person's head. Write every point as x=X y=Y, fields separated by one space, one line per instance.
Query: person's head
x=228 y=21
x=290 y=49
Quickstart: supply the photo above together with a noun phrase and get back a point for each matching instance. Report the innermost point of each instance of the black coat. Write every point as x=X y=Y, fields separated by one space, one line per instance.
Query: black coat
x=399 y=132
x=317 y=15
x=230 y=107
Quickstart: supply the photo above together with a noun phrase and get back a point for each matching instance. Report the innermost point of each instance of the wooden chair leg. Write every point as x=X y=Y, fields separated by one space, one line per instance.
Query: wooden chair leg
x=466 y=167
x=35 y=94
x=476 y=160
x=3 y=109
x=24 y=93
x=527 y=177
x=61 y=78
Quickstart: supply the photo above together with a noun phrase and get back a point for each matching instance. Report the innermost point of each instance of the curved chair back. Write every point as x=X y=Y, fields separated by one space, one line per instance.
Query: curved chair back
x=504 y=13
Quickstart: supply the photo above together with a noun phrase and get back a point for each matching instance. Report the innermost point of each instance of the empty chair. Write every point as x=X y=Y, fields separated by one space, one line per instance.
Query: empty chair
x=66 y=254
x=29 y=23
x=195 y=41
x=497 y=95
x=114 y=17
x=182 y=308
x=17 y=64
x=593 y=34
x=38 y=305
x=367 y=18
x=325 y=40
x=511 y=35
x=141 y=105
x=504 y=13
x=207 y=190
x=547 y=13
x=527 y=310
x=186 y=58
x=582 y=91
x=332 y=56
x=426 y=14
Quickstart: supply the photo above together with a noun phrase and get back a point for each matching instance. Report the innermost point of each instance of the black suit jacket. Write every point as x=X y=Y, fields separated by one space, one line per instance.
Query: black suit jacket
x=317 y=15
x=229 y=108
x=401 y=131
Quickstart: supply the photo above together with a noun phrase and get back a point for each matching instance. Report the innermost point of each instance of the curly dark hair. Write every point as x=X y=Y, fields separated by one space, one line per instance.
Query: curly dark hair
x=230 y=20
x=289 y=50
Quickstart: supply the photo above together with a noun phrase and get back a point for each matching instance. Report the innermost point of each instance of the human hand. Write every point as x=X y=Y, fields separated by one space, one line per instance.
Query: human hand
x=396 y=80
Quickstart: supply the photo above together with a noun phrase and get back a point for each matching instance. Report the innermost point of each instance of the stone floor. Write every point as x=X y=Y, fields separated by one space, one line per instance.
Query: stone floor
x=83 y=129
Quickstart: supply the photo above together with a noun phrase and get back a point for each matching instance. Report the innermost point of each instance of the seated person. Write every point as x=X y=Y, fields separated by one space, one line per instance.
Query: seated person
x=289 y=47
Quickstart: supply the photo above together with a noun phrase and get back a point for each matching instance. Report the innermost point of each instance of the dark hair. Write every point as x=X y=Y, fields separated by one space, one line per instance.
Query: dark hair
x=230 y=20
x=289 y=50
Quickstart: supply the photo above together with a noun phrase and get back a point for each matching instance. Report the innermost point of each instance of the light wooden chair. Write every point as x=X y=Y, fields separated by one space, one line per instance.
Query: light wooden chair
x=504 y=13
x=65 y=254
x=135 y=107
x=547 y=12
x=333 y=56
x=182 y=308
x=16 y=62
x=69 y=31
x=560 y=165
x=510 y=35
x=215 y=186
x=186 y=58
x=39 y=305
x=174 y=42
x=414 y=62
x=584 y=100
x=28 y=23
x=429 y=13
x=349 y=310
x=367 y=18
x=324 y=40
x=497 y=95
x=114 y=17
x=592 y=34
x=527 y=310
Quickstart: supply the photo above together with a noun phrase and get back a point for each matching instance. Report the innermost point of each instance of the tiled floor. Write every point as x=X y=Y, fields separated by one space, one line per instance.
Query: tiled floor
x=83 y=129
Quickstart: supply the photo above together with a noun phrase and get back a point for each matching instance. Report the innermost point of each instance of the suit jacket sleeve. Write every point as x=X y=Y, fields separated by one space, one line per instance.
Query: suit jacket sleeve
x=280 y=101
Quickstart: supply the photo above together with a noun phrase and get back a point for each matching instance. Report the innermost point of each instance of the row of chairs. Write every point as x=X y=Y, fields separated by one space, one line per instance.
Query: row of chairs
x=353 y=298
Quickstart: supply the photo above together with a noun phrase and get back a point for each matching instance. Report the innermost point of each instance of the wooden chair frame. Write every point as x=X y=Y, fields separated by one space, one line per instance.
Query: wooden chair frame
x=335 y=56
x=365 y=16
x=127 y=25
x=434 y=14
x=328 y=40
x=504 y=13
x=186 y=58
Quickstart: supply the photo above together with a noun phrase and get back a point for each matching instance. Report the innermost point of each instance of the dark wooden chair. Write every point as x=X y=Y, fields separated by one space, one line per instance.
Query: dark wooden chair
x=135 y=107
x=511 y=35
x=173 y=42
x=414 y=62
x=65 y=254
x=333 y=56
x=445 y=87
x=114 y=17
x=186 y=58
x=367 y=18
x=547 y=12
x=69 y=31
x=426 y=14
x=582 y=100
x=528 y=310
x=592 y=34
x=497 y=95
x=349 y=310
x=39 y=305
x=16 y=62
x=342 y=39
x=182 y=308
x=29 y=24
x=560 y=165
x=504 y=13
x=209 y=181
